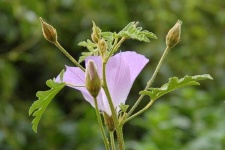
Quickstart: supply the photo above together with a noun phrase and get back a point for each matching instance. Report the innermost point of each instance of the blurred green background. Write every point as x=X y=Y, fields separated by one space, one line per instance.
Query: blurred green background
x=191 y=118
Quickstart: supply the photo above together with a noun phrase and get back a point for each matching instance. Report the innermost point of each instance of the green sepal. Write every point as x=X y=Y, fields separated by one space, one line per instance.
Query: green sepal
x=173 y=84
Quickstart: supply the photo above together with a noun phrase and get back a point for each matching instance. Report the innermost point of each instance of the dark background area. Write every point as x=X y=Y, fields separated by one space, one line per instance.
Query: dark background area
x=191 y=118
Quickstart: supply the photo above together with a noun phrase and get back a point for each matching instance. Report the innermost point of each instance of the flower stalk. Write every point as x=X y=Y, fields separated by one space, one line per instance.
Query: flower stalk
x=112 y=108
x=149 y=83
x=50 y=34
x=111 y=135
x=68 y=55
x=101 y=125
x=172 y=38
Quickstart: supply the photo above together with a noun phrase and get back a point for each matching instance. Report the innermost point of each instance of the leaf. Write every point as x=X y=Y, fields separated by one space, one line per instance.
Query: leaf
x=92 y=47
x=134 y=32
x=173 y=84
x=123 y=107
x=44 y=98
x=109 y=38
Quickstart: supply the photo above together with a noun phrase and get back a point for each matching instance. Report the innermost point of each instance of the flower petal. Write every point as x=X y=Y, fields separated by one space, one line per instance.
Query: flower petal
x=74 y=77
x=121 y=71
x=136 y=62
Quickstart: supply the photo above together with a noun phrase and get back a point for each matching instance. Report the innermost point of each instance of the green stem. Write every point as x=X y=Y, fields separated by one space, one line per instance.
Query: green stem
x=112 y=108
x=101 y=125
x=149 y=83
x=115 y=48
x=140 y=112
x=111 y=134
x=68 y=55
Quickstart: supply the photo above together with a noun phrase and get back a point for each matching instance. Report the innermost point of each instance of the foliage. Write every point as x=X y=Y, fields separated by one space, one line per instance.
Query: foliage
x=92 y=47
x=134 y=32
x=174 y=84
x=131 y=31
x=44 y=98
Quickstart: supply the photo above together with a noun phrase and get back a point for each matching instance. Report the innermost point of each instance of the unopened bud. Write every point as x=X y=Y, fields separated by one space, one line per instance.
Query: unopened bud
x=95 y=36
x=93 y=82
x=49 y=31
x=103 y=46
x=109 y=122
x=173 y=36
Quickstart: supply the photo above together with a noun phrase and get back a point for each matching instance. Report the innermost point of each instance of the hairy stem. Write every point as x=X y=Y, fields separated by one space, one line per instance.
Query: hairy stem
x=68 y=55
x=101 y=125
x=149 y=83
x=115 y=48
x=139 y=112
x=111 y=134
x=112 y=108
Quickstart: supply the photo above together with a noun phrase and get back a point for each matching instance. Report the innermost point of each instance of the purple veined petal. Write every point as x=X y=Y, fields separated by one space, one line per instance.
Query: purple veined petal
x=121 y=71
x=118 y=79
x=116 y=70
x=75 y=77
x=136 y=62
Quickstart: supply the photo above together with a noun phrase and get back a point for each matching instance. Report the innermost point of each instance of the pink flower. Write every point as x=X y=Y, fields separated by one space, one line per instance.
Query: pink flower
x=121 y=71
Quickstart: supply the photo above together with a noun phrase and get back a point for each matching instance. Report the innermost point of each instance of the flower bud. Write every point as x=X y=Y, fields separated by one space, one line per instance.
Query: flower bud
x=103 y=47
x=109 y=122
x=93 y=82
x=49 y=32
x=173 y=36
x=95 y=36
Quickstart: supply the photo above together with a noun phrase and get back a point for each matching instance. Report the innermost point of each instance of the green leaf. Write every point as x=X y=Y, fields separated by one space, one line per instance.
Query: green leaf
x=44 y=98
x=123 y=107
x=92 y=47
x=173 y=84
x=109 y=38
x=134 y=32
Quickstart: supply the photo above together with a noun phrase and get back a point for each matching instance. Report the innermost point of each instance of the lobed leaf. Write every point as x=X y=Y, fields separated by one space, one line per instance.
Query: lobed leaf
x=173 y=84
x=44 y=98
x=109 y=38
x=123 y=107
x=134 y=32
x=92 y=47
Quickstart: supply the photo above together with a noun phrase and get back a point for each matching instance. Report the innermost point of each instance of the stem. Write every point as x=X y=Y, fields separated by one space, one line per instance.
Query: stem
x=68 y=55
x=149 y=83
x=115 y=48
x=140 y=112
x=101 y=125
x=111 y=134
x=112 y=108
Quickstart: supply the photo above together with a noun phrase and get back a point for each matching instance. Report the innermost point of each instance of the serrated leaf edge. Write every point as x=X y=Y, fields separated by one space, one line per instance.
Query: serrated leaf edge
x=178 y=81
x=35 y=109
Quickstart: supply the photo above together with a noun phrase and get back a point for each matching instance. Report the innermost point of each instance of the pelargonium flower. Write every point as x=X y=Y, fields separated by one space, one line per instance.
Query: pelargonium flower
x=121 y=71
